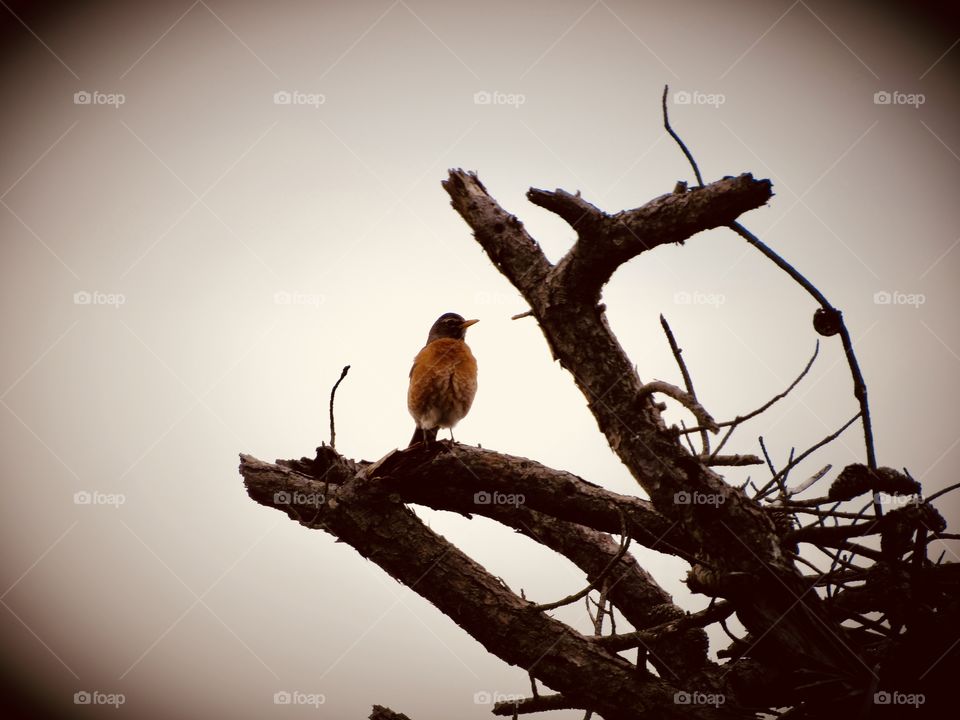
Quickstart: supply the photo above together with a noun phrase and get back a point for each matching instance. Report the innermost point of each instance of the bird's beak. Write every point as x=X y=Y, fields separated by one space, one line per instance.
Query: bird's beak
x=468 y=323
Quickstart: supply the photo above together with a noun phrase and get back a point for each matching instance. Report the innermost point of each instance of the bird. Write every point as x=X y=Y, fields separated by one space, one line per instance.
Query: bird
x=443 y=379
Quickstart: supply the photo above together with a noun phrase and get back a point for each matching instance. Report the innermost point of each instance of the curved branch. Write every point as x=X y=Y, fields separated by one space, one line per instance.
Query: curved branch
x=444 y=482
x=687 y=399
x=473 y=480
x=683 y=146
x=605 y=241
x=794 y=462
x=624 y=546
x=678 y=356
x=859 y=386
x=386 y=532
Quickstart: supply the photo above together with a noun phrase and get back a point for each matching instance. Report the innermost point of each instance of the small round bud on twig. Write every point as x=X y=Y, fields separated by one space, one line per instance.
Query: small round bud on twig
x=826 y=322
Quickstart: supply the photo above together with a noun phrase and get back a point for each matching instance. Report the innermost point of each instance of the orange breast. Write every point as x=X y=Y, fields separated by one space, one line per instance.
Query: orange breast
x=443 y=383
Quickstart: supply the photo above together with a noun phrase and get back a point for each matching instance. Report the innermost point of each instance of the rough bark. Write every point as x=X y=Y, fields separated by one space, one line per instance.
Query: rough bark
x=381 y=528
x=560 y=511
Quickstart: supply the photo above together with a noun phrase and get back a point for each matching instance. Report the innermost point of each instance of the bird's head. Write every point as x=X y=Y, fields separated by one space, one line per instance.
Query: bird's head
x=449 y=325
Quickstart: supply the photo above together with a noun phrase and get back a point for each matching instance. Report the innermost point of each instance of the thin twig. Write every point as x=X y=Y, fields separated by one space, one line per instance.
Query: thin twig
x=808 y=483
x=833 y=436
x=333 y=431
x=732 y=424
x=686 y=434
x=687 y=381
x=943 y=492
x=601 y=609
x=943 y=536
x=859 y=386
x=766 y=456
x=798 y=558
x=794 y=508
x=666 y=124
x=730 y=460
x=624 y=545
x=831 y=588
x=782 y=482
x=688 y=400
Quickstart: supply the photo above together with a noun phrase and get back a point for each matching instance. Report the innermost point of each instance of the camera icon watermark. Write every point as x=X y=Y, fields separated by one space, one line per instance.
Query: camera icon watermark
x=498 y=498
x=489 y=697
x=884 y=297
x=95 y=497
x=893 y=502
x=85 y=97
x=895 y=97
x=714 y=300
x=698 y=698
x=295 y=97
x=885 y=697
x=296 y=697
x=695 y=97
x=285 y=497
x=283 y=297
x=495 y=97
x=96 y=697
x=95 y=297
x=684 y=497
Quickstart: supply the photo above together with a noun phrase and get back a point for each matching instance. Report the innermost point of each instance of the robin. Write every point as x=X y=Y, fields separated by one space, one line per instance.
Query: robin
x=443 y=379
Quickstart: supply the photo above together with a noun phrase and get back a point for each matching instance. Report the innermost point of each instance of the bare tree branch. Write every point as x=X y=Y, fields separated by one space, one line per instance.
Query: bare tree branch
x=713 y=613
x=360 y=513
x=333 y=394
x=580 y=338
x=678 y=356
x=607 y=241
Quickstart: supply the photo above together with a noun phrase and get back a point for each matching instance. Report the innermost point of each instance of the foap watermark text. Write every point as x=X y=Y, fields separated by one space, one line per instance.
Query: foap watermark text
x=95 y=297
x=95 y=497
x=498 y=498
x=896 y=297
x=296 y=697
x=485 y=97
x=895 y=97
x=695 y=97
x=85 y=97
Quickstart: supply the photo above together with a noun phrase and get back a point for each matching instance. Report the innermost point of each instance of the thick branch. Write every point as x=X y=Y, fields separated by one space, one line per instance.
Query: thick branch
x=467 y=479
x=532 y=499
x=502 y=235
x=607 y=241
x=390 y=534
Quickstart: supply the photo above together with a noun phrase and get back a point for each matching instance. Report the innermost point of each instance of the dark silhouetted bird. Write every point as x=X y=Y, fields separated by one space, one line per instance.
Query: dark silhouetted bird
x=443 y=379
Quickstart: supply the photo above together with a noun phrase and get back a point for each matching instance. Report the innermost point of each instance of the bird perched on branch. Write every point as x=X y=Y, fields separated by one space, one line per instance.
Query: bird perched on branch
x=443 y=379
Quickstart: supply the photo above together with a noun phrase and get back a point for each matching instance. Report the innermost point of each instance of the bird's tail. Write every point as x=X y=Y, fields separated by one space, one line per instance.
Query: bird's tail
x=423 y=435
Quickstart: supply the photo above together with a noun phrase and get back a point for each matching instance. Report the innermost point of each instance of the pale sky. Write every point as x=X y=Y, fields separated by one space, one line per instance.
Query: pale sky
x=188 y=262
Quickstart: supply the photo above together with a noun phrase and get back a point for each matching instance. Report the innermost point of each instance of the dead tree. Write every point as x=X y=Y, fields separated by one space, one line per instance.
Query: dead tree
x=875 y=632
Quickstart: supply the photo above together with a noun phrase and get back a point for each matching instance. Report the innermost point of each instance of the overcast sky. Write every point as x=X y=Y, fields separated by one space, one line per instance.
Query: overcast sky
x=207 y=209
